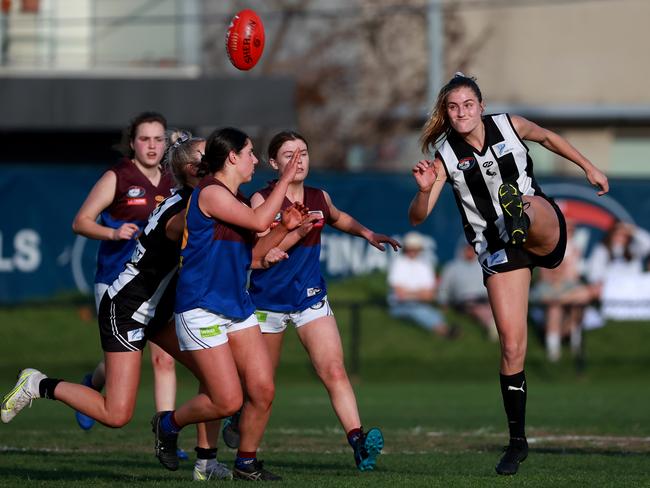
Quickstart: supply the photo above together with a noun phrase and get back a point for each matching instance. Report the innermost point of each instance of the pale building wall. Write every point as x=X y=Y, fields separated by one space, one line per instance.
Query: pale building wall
x=89 y=34
x=38 y=40
x=573 y=53
x=141 y=43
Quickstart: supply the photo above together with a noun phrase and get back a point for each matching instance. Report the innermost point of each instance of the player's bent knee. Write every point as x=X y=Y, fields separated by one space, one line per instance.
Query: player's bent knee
x=163 y=362
x=118 y=420
x=227 y=405
x=262 y=394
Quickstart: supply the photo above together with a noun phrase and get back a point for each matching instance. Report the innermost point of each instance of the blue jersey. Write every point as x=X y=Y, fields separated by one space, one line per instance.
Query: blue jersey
x=296 y=283
x=215 y=259
x=135 y=198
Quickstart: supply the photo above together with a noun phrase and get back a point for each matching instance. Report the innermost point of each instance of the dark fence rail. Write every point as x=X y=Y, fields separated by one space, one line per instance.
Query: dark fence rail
x=355 y=309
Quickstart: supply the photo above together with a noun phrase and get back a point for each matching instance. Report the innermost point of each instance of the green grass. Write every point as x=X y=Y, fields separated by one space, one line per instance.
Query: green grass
x=438 y=403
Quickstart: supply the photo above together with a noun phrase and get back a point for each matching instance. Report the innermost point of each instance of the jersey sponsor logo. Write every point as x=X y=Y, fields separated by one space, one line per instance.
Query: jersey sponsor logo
x=499 y=257
x=136 y=201
x=466 y=163
x=321 y=218
x=211 y=331
x=312 y=292
x=502 y=148
x=135 y=192
x=135 y=335
x=489 y=172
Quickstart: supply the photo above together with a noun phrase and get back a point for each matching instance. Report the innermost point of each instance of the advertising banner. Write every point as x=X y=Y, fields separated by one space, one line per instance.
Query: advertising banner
x=41 y=257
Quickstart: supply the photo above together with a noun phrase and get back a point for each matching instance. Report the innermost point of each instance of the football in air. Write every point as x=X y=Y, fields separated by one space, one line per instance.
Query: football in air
x=245 y=39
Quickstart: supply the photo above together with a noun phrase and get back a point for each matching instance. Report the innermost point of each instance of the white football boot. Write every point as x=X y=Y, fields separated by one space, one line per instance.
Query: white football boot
x=207 y=469
x=23 y=393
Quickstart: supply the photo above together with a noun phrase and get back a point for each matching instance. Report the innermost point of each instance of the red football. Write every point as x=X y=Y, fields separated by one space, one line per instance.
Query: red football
x=245 y=39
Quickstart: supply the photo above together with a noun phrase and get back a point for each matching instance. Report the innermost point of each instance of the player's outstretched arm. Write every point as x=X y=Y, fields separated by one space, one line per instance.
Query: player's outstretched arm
x=346 y=223
x=559 y=145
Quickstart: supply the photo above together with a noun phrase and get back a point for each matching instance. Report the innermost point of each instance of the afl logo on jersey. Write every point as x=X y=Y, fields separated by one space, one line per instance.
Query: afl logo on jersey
x=135 y=192
x=159 y=198
x=466 y=163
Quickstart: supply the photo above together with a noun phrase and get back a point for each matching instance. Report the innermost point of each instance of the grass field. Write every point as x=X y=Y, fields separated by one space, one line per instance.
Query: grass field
x=437 y=402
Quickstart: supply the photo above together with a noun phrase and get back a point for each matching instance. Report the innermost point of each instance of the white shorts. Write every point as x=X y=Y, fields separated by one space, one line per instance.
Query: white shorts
x=100 y=289
x=201 y=329
x=276 y=322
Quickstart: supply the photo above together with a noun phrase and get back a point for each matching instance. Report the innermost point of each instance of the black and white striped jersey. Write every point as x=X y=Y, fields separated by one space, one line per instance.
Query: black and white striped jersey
x=140 y=291
x=476 y=176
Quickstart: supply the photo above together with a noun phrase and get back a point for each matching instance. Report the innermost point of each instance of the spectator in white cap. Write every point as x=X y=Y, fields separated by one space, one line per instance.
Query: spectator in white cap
x=412 y=283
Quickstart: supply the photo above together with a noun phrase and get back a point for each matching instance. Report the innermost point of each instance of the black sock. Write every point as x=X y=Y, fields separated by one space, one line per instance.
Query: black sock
x=513 y=391
x=202 y=453
x=46 y=388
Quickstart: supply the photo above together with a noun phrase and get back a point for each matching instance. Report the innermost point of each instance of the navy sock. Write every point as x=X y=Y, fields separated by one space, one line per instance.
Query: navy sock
x=168 y=424
x=513 y=391
x=245 y=458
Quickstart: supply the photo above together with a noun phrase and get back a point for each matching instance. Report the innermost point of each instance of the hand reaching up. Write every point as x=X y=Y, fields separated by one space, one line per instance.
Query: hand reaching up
x=289 y=172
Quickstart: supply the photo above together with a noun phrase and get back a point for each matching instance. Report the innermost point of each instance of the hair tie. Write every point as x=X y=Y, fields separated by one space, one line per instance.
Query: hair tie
x=181 y=139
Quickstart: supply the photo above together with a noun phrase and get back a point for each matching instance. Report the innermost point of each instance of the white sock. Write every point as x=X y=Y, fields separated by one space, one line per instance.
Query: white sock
x=553 y=351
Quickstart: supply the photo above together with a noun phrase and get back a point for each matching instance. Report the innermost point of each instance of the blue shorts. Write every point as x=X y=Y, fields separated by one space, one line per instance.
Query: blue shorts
x=423 y=314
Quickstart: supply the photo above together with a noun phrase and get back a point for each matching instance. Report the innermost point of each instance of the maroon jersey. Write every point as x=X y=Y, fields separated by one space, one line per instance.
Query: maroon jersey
x=296 y=283
x=135 y=198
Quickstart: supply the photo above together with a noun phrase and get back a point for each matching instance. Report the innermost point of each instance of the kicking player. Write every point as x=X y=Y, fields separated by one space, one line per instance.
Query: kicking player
x=511 y=224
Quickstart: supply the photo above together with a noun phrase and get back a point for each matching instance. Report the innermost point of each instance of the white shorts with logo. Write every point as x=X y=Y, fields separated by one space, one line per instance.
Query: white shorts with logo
x=201 y=329
x=276 y=322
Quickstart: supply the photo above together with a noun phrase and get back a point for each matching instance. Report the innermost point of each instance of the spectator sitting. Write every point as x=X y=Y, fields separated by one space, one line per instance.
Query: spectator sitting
x=621 y=252
x=461 y=288
x=412 y=288
x=615 y=266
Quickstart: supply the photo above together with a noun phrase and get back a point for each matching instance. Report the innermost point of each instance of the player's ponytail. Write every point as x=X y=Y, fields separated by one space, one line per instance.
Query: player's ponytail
x=181 y=152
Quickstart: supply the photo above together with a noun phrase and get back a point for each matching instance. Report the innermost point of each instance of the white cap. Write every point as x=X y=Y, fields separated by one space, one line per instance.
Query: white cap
x=413 y=240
